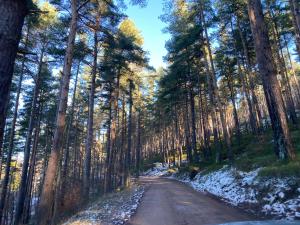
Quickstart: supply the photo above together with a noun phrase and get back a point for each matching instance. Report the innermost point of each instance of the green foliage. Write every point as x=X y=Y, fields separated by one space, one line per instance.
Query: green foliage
x=50 y=17
x=258 y=151
x=128 y=28
x=281 y=169
x=255 y=152
x=141 y=3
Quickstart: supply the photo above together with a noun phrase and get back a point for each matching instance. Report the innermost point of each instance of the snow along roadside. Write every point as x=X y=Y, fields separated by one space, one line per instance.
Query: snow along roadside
x=276 y=197
x=113 y=209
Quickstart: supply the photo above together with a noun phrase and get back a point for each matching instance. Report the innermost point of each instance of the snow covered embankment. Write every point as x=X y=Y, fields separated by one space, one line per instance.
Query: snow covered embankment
x=278 y=197
x=114 y=209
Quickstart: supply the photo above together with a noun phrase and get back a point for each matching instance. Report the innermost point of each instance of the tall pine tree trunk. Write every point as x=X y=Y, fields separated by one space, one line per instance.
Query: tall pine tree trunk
x=31 y=170
x=27 y=149
x=284 y=148
x=235 y=114
x=115 y=98
x=205 y=123
x=12 y=17
x=211 y=97
x=129 y=134
x=193 y=127
x=90 y=130
x=47 y=197
x=282 y=67
x=252 y=117
x=123 y=133
x=187 y=129
x=253 y=106
x=107 y=181
x=138 y=144
x=11 y=144
x=214 y=92
x=66 y=157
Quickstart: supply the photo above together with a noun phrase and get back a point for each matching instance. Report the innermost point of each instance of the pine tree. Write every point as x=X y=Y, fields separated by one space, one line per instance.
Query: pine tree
x=283 y=145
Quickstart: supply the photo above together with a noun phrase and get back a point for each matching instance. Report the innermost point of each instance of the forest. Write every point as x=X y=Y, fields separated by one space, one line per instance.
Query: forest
x=82 y=110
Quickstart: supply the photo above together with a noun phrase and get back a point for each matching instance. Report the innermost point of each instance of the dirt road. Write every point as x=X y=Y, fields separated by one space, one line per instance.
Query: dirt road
x=169 y=202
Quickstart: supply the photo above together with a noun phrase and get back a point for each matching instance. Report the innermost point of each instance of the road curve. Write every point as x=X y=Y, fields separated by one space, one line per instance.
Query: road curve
x=169 y=202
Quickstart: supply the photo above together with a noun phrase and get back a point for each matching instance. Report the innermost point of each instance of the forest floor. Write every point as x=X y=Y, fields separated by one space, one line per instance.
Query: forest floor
x=111 y=209
x=169 y=202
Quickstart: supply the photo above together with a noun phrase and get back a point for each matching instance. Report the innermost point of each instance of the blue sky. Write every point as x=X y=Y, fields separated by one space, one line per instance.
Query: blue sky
x=147 y=21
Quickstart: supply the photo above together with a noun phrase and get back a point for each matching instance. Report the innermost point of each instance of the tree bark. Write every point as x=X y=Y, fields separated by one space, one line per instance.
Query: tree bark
x=252 y=107
x=128 y=153
x=47 y=197
x=90 y=130
x=214 y=92
x=32 y=164
x=282 y=68
x=187 y=131
x=193 y=116
x=108 y=144
x=11 y=144
x=113 y=132
x=27 y=149
x=67 y=150
x=138 y=145
x=122 y=147
x=12 y=17
x=205 y=123
x=193 y=120
x=235 y=114
x=213 y=110
x=284 y=148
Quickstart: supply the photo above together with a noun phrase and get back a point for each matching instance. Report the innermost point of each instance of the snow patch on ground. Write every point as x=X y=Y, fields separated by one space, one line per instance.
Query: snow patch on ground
x=229 y=184
x=158 y=170
x=283 y=200
x=275 y=196
x=113 y=209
